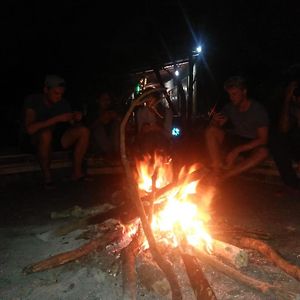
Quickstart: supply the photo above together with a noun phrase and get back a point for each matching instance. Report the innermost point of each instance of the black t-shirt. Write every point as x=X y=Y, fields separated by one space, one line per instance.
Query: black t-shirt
x=43 y=112
x=245 y=124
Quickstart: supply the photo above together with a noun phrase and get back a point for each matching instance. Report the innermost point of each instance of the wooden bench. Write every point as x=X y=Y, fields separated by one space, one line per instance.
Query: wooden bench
x=25 y=163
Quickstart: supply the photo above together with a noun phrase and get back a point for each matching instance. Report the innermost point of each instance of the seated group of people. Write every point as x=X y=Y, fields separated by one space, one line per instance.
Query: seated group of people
x=51 y=125
x=237 y=139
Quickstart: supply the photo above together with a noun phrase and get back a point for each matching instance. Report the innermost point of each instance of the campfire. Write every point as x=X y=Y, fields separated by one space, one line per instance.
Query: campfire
x=180 y=221
x=167 y=224
x=179 y=216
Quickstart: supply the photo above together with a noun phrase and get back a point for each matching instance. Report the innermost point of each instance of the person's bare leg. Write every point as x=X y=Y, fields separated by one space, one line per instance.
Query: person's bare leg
x=214 y=138
x=258 y=155
x=44 y=149
x=79 y=138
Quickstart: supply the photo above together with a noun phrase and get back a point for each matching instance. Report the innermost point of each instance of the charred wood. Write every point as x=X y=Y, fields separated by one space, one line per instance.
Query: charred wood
x=261 y=286
x=271 y=255
x=199 y=283
x=235 y=255
x=69 y=256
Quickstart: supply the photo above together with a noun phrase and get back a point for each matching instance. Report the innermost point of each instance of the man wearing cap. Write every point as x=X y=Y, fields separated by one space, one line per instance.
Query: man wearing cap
x=50 y=124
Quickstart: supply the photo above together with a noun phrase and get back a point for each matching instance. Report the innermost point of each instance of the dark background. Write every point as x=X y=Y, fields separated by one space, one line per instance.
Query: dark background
x=95 y=44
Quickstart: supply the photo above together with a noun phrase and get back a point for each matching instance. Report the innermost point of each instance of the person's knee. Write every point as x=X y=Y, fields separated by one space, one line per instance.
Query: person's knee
x=45 y=138
x=213 y=132
x=84 y=132
x=262 y=152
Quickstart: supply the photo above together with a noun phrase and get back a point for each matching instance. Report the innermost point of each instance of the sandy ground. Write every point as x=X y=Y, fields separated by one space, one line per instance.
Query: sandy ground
x=26 y=223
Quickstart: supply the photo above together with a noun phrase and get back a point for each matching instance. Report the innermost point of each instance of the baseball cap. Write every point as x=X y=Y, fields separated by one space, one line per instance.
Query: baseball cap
x=52 y=81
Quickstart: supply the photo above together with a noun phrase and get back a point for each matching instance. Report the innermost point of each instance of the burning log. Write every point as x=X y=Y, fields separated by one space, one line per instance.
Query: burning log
x=261 y=286
x=128 y=255
x=134 y=193
x=66 y=257
x=128 y=274
x=199 y=283
x=235 y=255
x=272 y=255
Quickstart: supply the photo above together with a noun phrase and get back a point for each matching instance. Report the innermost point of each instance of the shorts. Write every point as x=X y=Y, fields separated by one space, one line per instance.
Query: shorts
x=57 y=133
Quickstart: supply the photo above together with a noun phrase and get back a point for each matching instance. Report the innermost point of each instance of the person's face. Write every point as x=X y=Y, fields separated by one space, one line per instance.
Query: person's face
x=236 y=95
x=54 y=94
x=104 y=101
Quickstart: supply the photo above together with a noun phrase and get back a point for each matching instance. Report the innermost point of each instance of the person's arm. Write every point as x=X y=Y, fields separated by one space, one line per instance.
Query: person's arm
x=260 y=140
x=284 y=120
x=219 y=119
x=32 y=126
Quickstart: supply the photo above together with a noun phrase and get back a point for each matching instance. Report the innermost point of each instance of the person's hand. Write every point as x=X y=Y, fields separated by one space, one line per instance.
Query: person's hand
x=232 y=157
x=77 y=116
x=219 y=119
x=66 y=117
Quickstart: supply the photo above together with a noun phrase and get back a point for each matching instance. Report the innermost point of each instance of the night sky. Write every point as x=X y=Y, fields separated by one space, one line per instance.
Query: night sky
x=92 y=45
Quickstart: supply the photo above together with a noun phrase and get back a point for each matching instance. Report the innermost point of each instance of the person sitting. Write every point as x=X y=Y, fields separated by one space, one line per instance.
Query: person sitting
x=285 y=143
x=104 y=122
x=241 y=128
x=154 y=122
x=50 y=123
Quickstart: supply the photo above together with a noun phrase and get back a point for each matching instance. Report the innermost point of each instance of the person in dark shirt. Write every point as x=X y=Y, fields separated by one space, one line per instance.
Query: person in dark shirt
x=104 y=123
x=50 y=122
x=240 y=130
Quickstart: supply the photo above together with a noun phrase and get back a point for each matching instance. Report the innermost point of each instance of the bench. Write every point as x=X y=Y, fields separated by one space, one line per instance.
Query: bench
x=25 y=163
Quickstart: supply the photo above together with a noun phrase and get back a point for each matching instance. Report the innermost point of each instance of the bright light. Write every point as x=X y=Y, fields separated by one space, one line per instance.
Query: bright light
x=175 y=131
x=199 y=49
x=176 y=73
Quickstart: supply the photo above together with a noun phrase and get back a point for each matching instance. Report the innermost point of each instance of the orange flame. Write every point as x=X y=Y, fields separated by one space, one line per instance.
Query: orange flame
x=184 y=213
x=146 y=169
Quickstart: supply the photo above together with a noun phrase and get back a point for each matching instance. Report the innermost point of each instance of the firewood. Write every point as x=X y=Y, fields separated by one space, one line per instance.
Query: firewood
x=271 y=255
x=134 y=195
x=129 y=275
x=66 y=257
x=151 y=276
x=199 y=283
x=235 y=255
x=261 y=286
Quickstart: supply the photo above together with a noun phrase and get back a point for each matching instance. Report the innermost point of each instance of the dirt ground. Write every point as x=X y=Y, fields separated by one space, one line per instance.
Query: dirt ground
x=25 y=221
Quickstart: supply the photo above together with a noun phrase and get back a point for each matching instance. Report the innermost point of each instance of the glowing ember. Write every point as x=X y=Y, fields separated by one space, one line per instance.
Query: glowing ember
x=184 y=213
